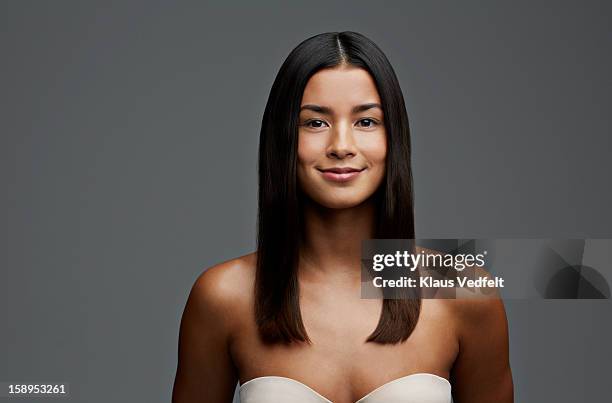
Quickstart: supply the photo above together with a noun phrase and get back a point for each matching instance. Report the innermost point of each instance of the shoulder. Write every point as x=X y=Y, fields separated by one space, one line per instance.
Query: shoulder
x=480 y=315
x=473 y=308
x=215 y=307
x=477 y=308
x=224 y=281
x=482 y=335
x=223 y=292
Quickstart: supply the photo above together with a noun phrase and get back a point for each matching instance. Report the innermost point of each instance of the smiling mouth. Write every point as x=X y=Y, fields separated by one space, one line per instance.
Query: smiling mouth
x=340 y=174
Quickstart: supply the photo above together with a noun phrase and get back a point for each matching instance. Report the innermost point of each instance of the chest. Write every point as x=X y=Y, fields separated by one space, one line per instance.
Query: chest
x=339 y=364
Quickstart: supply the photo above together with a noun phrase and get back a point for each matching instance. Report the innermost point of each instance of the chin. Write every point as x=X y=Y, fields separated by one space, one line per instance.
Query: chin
x=343 y=201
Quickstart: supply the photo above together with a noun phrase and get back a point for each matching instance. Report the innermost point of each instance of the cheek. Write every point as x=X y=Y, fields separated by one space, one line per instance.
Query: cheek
x=375 y=149
x=309 y=148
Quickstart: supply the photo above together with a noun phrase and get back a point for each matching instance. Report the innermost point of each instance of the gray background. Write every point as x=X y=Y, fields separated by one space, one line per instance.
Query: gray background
x=128 y=152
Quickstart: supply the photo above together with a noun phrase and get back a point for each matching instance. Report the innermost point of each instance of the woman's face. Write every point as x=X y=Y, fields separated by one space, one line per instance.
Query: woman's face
x=342 y=144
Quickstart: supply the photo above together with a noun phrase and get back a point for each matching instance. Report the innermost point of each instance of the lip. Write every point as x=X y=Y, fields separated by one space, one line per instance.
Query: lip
x=340 y=174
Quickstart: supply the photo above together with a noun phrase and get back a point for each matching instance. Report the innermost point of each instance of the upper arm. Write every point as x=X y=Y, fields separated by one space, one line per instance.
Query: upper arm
x=481 y=373
x=205 y=372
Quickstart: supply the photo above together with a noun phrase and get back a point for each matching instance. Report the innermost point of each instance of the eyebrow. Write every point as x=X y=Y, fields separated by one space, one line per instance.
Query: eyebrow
x=327 y=110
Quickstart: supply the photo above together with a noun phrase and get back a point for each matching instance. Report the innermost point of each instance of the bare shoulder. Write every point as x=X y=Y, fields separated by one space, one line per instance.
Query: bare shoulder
x=482 y=329
x=227 y=282
x=473 y=307
x=224 y=279
x=473 y=314
x=217 y=303
x=477 y=307
x=223 y=292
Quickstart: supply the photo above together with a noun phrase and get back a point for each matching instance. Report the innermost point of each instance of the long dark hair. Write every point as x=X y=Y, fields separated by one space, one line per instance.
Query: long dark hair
x=277 y=307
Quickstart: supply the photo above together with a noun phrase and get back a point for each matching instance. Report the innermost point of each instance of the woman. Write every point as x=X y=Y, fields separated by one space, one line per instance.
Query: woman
x=287 y=321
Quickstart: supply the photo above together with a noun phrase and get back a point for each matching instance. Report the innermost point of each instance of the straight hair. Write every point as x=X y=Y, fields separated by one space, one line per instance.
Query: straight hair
x=279 y=221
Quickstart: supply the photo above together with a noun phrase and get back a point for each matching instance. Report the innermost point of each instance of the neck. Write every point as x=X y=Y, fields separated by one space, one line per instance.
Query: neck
x=331 y=242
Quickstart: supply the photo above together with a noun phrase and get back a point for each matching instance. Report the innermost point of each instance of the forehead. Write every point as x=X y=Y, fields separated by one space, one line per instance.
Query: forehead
x=340 y=86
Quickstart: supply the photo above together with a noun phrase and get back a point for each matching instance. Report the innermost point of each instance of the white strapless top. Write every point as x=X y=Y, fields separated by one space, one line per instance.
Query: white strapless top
x=415 y=388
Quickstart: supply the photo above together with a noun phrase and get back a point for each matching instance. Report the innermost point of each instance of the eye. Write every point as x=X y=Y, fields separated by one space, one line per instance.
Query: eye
x=367 y=123
x=315 y=123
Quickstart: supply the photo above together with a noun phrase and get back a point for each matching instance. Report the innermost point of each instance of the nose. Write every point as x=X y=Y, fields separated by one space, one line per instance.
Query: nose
x=341 y=143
